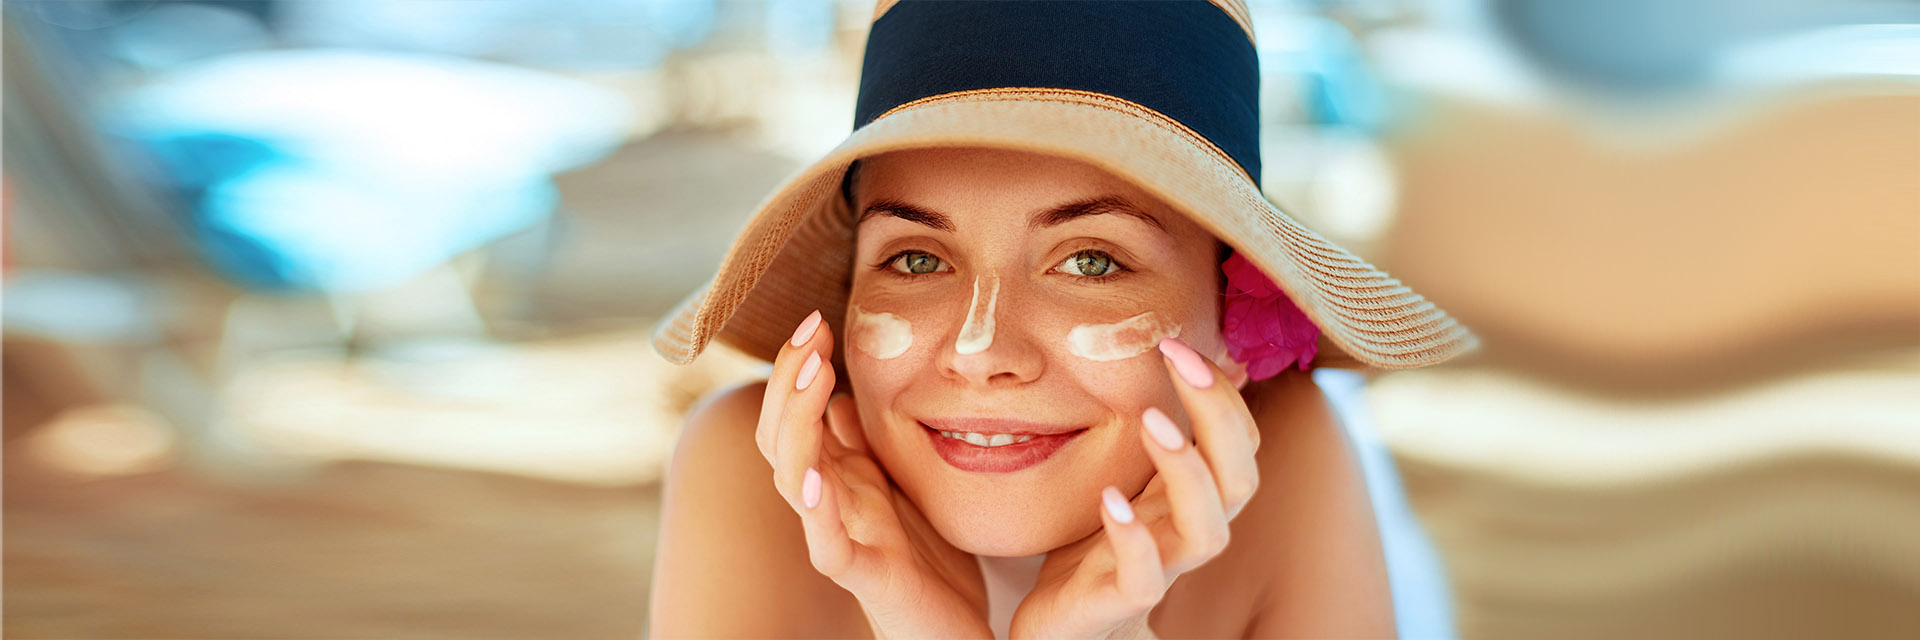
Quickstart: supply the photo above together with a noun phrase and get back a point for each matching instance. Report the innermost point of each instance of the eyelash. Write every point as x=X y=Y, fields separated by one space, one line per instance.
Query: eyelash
x=886 y=266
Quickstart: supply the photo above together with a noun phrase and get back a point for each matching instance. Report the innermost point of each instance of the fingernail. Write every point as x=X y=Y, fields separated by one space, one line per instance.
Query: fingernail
x=1162 y=429
x=1117 y=505
x=810 y=488
x=808 y=371
x=1188 y=362
x=807 y=327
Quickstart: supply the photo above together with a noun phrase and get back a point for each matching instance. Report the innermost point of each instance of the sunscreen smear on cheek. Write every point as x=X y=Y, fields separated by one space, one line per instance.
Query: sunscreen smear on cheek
x=883 y=336
x=1121 y=340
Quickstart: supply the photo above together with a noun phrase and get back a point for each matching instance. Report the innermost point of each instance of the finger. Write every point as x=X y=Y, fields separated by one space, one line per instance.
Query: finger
x=827 y=542
x=1139 y=578
x=1199 y=518
x=1223 y=427
x=800 y=439
x=787 y=365
x=843 y=419
x=832 y=548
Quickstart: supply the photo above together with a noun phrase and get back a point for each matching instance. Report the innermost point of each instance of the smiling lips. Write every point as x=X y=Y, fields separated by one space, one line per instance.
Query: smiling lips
x=985 y=445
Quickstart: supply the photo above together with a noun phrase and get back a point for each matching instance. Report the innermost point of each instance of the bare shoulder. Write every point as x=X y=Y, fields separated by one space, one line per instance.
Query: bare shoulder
x=732 y=557
x=1313 y=521
x=1305 y=557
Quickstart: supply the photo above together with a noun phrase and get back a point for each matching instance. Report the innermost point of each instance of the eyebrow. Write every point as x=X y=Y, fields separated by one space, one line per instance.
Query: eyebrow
x=1049 y=217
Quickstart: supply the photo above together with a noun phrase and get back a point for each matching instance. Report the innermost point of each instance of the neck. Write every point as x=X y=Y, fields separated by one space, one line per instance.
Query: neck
x=1008 y=579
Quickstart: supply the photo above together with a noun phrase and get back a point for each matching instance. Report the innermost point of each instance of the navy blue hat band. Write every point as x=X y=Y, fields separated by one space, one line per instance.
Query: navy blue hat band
x=1187 y=60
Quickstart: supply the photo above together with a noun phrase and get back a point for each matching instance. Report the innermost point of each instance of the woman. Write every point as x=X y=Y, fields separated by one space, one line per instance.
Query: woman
x=1038 y=368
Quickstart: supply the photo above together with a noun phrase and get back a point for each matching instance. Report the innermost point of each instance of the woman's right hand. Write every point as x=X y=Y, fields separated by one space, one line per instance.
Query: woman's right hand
x=861 y=531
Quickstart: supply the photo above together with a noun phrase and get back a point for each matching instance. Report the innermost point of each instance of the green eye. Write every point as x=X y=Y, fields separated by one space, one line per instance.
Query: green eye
x=919 y=263
x=1091 y=264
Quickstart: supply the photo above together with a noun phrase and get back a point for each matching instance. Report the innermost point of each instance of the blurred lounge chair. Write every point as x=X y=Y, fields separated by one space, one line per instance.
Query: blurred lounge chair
x=330 y=188
x=1694 y=412
x=1670 y=255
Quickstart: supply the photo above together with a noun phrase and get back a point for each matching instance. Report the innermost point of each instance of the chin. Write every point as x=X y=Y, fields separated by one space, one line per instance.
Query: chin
x=998 y=528
x=1021 y=513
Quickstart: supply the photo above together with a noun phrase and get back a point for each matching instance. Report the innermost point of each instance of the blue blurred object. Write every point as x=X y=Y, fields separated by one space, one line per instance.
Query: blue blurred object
x=799 y=27
x=314 y=227
x=75 y=306
x=168 y=35
x=337 y=170
x=1654 y=46
x=1887 y=50
x=1338 y=88
x=1422 y=603
x=566 y=34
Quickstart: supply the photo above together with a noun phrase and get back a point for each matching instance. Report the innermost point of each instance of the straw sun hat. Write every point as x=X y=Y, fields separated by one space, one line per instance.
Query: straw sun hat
x=1162 y=94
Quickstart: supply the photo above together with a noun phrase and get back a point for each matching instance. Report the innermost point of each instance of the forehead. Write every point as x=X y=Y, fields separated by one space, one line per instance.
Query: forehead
x=1000 y=186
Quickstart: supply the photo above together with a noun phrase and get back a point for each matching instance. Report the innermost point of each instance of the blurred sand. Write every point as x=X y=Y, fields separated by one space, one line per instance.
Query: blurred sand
x=358 y=550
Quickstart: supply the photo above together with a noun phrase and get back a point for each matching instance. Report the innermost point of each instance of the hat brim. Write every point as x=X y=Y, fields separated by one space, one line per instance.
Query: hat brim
x=805 y=234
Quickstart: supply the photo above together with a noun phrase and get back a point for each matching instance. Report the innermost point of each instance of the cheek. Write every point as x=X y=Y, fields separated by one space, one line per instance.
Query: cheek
x=1120 y=340
x=1114 y=454
x=876 y=369
x=1120 y=364
x=881 y=336
x=889 y=351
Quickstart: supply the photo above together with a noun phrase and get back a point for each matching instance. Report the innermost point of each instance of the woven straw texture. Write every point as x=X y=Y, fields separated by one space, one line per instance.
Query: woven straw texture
x=795 y=254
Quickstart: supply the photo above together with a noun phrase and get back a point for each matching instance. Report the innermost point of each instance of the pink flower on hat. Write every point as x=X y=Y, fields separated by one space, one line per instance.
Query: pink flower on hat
x=1263 y=328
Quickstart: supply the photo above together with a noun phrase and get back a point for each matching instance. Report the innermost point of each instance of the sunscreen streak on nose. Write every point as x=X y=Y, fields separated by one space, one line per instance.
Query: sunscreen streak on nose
x=977 y=334
x=882 y=335
x=1120 y=340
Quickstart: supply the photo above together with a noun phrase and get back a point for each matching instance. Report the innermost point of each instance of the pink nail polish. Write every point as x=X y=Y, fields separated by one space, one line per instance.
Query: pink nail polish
x=1117 y=505
x=808 y=371
x=1162 y=429
x=1188 y=362
x=810 y=488
x=807 y=327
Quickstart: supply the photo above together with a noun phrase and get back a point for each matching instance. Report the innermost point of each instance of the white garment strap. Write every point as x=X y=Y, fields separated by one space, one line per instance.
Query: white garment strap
x=1008 y=581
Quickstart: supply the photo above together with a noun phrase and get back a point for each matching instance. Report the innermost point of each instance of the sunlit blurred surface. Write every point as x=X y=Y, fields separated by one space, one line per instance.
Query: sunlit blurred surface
x=103 y=441
x=1543 y=435
x=581 y=410
x=330 y=318
x=1781 y=510
x=357 y=550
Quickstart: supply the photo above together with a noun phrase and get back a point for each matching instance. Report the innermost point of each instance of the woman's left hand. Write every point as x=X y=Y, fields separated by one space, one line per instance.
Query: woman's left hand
x=1105 y=585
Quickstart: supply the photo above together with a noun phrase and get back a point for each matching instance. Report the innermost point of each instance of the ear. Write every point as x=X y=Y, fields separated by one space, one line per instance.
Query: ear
x=1236 y=371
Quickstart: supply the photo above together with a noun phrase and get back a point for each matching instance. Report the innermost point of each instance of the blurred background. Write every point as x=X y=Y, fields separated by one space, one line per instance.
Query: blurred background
x=330 y=319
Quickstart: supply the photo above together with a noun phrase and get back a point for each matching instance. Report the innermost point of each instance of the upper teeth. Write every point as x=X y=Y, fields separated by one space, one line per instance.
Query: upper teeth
x=985 y=440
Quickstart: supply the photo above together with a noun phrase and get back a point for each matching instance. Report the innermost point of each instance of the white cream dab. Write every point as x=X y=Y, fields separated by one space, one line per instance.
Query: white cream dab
x=977 y=334
x=1124 y=339
x=882 y=335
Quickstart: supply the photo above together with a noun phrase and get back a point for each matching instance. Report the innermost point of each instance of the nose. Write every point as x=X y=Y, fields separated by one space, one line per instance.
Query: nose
x=990 y=346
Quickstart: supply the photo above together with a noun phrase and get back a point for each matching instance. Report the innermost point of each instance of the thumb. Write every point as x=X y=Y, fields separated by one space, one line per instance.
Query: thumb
x=843 y=419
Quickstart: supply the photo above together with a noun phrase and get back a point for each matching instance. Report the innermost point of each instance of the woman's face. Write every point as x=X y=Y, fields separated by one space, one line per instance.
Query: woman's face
x=1011 y=294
